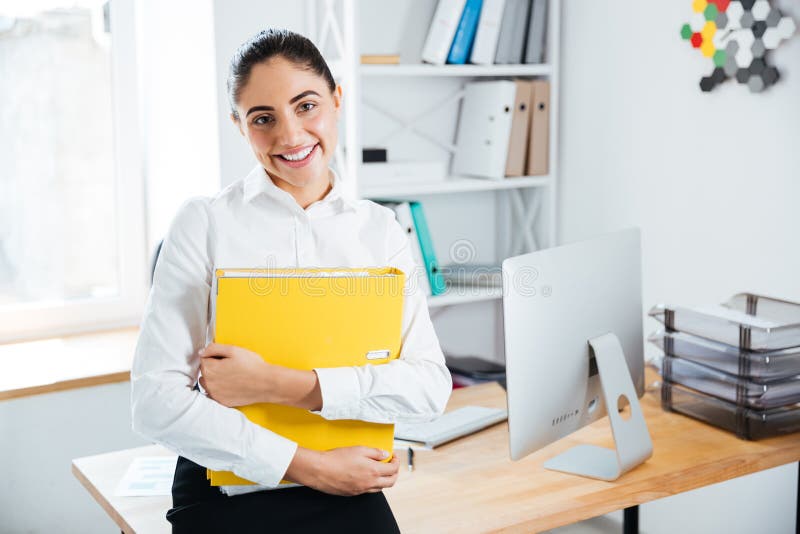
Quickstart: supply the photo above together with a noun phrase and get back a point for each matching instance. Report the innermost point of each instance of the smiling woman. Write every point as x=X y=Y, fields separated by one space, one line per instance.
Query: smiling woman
x=290 y=211
x=294 y=135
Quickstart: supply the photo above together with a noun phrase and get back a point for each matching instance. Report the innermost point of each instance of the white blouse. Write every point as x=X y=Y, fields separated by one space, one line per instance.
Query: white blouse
x=253 y=223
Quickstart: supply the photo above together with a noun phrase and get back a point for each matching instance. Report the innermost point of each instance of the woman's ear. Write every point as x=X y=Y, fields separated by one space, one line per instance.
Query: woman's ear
x=337 y=100
x=235 y=120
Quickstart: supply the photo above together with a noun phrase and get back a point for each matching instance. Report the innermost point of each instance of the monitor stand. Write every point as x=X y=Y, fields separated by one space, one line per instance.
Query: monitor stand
x=632 y=440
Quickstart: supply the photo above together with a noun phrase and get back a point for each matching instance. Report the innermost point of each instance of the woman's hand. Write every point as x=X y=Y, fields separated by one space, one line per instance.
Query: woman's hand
x=234 y=376
x=343 y=471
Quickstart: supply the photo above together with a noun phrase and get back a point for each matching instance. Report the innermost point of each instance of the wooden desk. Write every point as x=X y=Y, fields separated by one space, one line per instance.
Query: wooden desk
x=470 y=485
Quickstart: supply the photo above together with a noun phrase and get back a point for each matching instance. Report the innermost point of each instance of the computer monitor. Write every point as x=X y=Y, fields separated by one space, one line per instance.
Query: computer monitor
x=572 y=316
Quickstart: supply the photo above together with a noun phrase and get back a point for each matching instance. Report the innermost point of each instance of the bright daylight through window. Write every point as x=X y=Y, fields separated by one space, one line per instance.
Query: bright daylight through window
x=60 y=217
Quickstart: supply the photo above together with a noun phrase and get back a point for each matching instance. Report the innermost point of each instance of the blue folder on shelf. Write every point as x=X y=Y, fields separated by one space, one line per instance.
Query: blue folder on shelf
x=426 y=244
x=465 y=33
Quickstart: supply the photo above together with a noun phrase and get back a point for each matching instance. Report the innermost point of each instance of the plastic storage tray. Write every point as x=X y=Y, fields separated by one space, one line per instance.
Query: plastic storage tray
x=745 y=423
x=769 y=365
x=747 y=393
x=747 y=321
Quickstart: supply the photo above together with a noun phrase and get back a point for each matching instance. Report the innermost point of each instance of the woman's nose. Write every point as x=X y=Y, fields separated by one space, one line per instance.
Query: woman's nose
x=290 y=132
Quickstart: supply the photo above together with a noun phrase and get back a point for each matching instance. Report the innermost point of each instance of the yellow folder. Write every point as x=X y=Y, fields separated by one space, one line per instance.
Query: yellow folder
x=307 y=318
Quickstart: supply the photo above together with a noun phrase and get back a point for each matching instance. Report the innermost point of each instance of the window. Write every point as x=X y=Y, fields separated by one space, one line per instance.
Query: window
x=72 y=248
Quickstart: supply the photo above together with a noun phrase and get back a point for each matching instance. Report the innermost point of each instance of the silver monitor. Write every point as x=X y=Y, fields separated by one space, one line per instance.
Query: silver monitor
x=573 y=314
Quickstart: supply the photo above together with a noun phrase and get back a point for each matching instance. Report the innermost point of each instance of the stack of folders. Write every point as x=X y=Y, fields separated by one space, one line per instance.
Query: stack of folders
x=483 y=32
x=305 y=319
x=471 y=370
x=503 y=130
x=735 y=366
x=411 y=217
x=472 y=275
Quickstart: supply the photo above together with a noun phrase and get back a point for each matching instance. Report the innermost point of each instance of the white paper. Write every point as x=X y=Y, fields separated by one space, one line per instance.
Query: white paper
x=232 y=491
x=148 y=476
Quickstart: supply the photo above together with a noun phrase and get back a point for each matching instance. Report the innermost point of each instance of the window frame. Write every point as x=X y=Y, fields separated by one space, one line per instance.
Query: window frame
x=54 y=318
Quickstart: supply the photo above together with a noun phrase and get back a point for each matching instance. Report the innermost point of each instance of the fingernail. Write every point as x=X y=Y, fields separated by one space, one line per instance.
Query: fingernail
x=201 y=351
x=384 y=454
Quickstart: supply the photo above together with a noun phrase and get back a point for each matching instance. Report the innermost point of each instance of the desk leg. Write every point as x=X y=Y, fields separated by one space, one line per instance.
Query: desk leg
x=630 y=520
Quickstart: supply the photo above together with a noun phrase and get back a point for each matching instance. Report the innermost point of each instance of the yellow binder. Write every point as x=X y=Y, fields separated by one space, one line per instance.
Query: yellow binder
x=307 y=318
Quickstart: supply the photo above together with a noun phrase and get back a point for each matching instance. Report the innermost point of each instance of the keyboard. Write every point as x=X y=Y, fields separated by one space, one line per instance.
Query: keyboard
x=450 y=426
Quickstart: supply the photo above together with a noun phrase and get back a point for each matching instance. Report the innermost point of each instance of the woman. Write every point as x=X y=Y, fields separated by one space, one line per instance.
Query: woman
x=288 y=212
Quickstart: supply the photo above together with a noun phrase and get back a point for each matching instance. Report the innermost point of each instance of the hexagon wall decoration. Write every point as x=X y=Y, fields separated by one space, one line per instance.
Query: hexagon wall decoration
x=737 y=35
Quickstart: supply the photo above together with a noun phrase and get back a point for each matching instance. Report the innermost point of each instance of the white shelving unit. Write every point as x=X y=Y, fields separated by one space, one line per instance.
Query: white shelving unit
x=454 y=184
x=455 y=70
x=334 y=27
x=463 y=296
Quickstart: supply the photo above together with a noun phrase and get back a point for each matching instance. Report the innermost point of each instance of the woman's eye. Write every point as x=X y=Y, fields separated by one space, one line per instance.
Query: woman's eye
x=264 y=119
x=307 y=106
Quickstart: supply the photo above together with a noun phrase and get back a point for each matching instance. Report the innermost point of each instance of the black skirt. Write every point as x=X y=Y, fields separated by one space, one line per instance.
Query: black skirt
x=198 y=507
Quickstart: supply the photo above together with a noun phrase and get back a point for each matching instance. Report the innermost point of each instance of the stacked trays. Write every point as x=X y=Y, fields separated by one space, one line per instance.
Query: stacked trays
x=735 y=366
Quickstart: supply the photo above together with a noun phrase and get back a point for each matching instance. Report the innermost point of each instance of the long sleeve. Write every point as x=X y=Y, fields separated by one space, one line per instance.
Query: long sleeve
x=166 y=408
x=413 y=388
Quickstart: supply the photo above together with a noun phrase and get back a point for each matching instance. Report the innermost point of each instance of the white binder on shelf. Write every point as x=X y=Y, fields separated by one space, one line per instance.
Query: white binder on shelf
x=485 y=45
x=442 y=30
x=484 y=129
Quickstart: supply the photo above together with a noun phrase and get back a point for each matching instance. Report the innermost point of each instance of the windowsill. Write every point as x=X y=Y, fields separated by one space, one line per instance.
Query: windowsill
x=64 y=363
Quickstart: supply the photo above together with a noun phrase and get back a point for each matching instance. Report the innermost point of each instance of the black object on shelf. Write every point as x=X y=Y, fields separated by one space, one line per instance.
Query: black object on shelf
x=374 y=155
x=468 y=370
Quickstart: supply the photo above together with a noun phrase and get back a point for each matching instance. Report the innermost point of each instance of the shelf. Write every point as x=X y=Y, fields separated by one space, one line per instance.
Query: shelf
x=464 y=295
x=455 y=70
x=455 y=184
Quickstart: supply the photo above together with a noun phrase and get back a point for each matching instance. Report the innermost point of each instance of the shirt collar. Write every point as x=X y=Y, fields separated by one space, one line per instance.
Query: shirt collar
x=258 y=182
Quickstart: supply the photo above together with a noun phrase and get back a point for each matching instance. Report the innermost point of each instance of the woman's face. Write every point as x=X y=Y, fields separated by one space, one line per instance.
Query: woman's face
x=289 y=117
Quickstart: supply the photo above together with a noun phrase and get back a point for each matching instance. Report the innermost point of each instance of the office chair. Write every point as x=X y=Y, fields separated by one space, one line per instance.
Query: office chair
x=154 y=262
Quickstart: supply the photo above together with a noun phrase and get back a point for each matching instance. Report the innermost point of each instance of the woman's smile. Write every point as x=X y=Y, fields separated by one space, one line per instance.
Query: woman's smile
x=298 y=157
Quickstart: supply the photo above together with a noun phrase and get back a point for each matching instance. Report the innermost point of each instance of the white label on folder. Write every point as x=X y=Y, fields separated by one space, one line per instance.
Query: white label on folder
x=377 y=354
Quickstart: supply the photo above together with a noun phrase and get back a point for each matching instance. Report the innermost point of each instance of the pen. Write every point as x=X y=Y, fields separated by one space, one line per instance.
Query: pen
x=410 y=459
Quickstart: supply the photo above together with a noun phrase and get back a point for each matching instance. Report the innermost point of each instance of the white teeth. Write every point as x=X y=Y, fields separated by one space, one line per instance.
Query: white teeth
x=299 y=155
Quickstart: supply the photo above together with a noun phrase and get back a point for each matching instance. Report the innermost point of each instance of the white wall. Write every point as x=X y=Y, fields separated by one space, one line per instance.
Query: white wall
x=179 y=115
x=710 y=178
x=235 y=21
x=39 y=437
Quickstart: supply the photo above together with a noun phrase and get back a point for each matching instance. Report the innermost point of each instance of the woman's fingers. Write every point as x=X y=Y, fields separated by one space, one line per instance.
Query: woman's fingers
x=389 y=468
x=383 y=483
x=375 y=454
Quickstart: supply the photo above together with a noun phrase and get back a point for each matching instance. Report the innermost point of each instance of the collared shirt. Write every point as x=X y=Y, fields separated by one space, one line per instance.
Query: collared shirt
x=254 y=223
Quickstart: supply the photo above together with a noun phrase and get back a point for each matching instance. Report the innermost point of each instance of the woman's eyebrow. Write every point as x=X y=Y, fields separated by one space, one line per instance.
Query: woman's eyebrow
x=292 y=101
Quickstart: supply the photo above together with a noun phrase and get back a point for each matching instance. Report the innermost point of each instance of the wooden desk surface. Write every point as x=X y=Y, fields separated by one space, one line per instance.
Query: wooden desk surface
x=471 y=485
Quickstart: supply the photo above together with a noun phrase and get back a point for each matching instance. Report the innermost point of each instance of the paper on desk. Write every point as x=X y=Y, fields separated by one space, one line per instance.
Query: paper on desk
x=148 y=476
